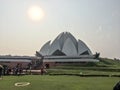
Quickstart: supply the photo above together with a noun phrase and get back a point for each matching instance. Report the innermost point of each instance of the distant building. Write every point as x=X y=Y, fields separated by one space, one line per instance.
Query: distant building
x=12 y=61
x=66 y=49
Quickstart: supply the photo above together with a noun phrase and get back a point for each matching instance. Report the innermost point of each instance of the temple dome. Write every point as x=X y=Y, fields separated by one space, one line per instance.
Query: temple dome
x=65 y=44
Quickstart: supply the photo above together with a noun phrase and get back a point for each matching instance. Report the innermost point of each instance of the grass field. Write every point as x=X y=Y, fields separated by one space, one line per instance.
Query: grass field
x=47 y=82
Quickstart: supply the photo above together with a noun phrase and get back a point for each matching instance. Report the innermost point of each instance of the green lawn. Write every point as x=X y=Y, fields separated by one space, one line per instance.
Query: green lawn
x=47 y=82
x=60 y=82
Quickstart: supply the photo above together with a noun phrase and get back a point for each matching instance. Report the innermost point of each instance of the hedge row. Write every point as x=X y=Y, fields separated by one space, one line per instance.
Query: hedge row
x=96 y=69
x=87 y=75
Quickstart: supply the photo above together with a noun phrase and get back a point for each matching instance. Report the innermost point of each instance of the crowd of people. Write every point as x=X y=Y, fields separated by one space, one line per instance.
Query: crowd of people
x=5 y=70
x=19 y=70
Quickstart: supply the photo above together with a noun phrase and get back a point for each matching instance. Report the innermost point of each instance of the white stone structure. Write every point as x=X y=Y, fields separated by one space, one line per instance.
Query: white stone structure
x=65 y=45
x=65 y=48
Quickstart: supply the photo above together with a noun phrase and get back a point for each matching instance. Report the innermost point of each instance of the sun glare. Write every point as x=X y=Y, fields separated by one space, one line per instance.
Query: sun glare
x=35 y=13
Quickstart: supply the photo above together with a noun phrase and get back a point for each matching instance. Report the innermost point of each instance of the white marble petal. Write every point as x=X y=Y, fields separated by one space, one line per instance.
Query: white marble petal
x=82 y=47
x=45 y=49
x=69 y=48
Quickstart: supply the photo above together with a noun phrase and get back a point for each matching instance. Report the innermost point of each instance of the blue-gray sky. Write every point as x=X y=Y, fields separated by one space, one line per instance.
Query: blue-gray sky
x=96 y=22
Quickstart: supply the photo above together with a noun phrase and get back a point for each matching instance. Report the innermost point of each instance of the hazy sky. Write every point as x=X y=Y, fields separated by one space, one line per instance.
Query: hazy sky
x=96 y=22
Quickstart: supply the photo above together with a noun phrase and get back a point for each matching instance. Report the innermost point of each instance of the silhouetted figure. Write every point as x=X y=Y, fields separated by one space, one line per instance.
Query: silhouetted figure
x=117 y=86
x=29 y=67
x=47 y=66
x=8 y=71
x=16 y=70
x=20 y=70
x=42 y=70
x=13 y=70
x=4 y=69
x=1 y=71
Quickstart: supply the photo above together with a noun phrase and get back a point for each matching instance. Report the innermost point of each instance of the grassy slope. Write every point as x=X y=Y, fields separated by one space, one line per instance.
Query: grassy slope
x=58 y=83
x=104 y=62
x=109 y=63
x=105 y=66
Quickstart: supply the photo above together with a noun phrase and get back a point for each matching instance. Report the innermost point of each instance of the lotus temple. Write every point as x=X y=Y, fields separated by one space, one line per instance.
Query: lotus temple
x=64 y=49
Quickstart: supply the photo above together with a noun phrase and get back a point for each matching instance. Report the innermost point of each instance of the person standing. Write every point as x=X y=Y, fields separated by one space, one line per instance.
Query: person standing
x=1 y=70
x=42 y=71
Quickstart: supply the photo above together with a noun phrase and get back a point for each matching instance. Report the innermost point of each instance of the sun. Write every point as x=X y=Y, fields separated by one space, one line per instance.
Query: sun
x=35 y=13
